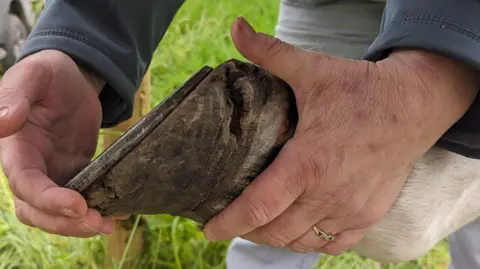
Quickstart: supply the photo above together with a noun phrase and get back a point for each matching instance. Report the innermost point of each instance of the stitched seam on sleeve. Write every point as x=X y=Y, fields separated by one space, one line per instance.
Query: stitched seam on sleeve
x=62 y=32
x=73 y=35
x=438 y=21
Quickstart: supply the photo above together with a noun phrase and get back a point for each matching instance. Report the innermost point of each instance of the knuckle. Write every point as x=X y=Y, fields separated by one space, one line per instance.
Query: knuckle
x=59 y=228
x=273 y=45
x=12 y=183
x=341 y=196
x=317 y=165
x=6 y=93
x=276 y=240
x=257 y=213
x=295 y=183
x=314 y=166
x=34 y=67
x=295 y=159
x=21 y=214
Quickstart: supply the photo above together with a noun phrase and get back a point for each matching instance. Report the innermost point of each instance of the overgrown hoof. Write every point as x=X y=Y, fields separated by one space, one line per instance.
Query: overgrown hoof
x=194 y=153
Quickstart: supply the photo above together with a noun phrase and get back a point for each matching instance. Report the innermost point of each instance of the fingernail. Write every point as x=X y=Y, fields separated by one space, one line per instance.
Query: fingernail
x=69 y=213
x=4 y=111
x=245 y=27
x=91 y=228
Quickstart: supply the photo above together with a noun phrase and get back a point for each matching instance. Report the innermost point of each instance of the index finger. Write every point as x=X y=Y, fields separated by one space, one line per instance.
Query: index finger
x=271 y=193
x=26 y=173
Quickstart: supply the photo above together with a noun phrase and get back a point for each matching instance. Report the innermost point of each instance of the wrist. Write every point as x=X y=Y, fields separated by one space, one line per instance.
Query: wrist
x=95 y=80
x=450 y=85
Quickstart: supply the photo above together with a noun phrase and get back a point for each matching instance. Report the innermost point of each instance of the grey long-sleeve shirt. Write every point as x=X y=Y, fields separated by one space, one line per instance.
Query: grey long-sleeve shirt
x=117 y=39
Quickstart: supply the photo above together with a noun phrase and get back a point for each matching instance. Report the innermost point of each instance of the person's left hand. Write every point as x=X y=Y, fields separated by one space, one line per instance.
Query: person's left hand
x=362 y=125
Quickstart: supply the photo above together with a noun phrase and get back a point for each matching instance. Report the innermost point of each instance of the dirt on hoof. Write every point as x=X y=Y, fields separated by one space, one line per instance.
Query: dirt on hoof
x=194 y=153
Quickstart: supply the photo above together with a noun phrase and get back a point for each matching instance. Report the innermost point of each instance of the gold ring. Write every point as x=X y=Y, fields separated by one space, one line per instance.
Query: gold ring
x=322 y=234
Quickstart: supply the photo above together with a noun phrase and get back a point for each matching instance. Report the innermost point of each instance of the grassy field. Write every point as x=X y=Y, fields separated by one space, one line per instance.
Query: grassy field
x=198 y=36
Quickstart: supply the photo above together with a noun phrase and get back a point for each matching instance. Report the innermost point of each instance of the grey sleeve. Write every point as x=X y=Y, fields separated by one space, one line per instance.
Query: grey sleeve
x=115 y=38
x=450 y=27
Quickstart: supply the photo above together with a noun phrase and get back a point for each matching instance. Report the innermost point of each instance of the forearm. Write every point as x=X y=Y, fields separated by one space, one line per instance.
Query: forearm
x=114 y=39
x=452 y=29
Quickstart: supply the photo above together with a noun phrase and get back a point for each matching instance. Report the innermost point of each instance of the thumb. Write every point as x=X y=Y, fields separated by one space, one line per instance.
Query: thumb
x=21 y=86
x=279 y=58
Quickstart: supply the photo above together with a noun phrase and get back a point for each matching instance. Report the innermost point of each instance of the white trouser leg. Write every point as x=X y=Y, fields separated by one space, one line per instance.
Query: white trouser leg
x=464 y=247
x=343 y=28
x=244 y=254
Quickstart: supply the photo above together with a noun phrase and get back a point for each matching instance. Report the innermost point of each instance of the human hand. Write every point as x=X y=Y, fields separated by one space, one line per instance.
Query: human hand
x=50 y=117
x=362 y=126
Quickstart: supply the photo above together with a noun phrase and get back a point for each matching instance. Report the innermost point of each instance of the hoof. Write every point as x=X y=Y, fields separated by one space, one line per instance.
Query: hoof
x=194 y=153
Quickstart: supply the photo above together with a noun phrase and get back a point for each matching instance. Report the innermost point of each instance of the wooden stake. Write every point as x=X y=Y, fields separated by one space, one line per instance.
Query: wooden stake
x=117 y=241
x=142 y=106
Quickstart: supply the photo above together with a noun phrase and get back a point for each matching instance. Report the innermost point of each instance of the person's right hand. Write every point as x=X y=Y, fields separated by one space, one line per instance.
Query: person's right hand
x=50 y=116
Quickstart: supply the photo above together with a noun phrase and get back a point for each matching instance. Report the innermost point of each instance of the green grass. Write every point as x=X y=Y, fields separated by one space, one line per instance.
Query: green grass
x=198 y=36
